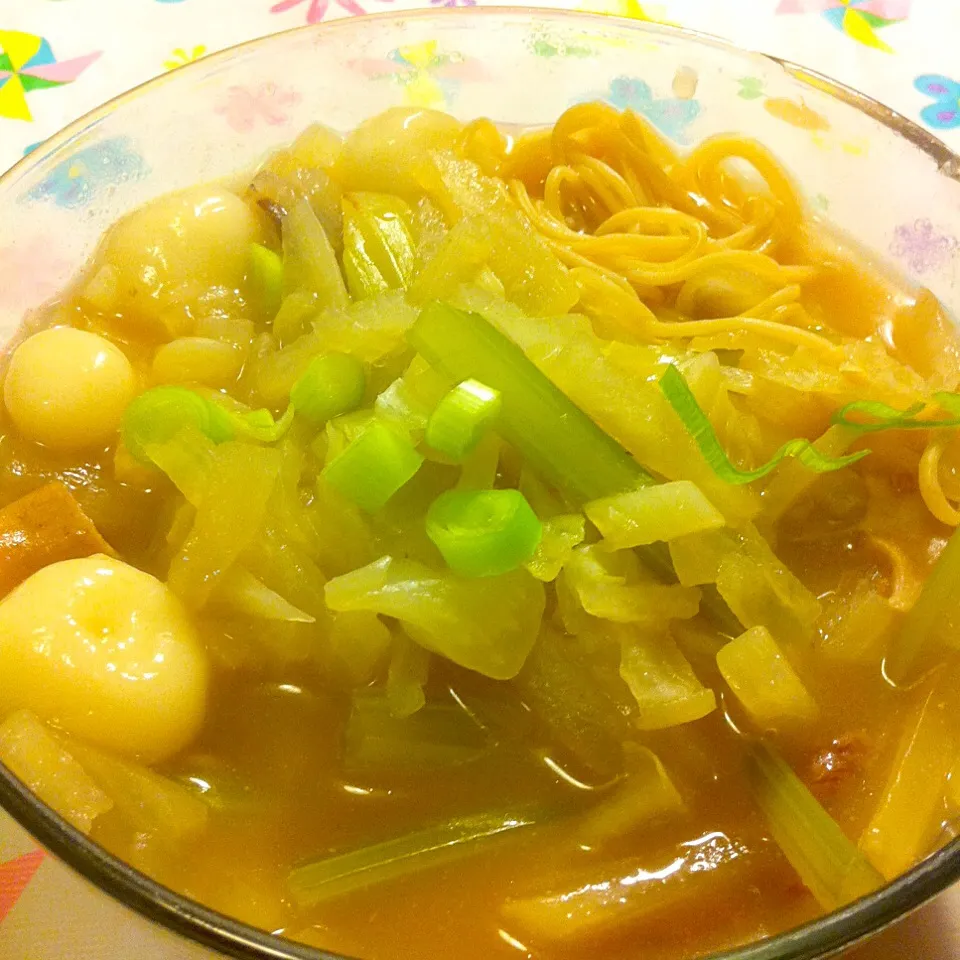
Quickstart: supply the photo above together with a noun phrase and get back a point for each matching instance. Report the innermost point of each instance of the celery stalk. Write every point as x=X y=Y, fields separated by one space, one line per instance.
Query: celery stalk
x=931 y=620
x=441 y=843
x=557 y=438
x=829 y=864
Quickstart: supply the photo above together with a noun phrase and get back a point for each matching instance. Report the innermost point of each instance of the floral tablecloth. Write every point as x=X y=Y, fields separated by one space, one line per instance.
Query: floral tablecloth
x=61 y=58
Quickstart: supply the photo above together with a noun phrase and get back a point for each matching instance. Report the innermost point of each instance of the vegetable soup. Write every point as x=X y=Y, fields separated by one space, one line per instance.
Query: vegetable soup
x=444 y=543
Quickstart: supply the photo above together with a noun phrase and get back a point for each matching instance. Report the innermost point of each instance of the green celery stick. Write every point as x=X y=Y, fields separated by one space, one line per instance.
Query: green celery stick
x=828 y=863
x=441 y=843
x=929 y=627
x=555 y=436
x=557 y=439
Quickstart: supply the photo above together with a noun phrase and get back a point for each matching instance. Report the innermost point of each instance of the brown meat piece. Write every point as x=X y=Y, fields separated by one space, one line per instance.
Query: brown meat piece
x=844 y=759
x=41 y=528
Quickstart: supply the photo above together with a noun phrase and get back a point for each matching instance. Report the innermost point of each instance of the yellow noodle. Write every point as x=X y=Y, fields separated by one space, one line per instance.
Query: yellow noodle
x=666 y=191
x=905 y=586
x=529 y=159
x=748 y=328
x=757 y=264
x=641 y=226
x=578 y=118
x=758 y=234
x=782 y=297
x=642 y=194
x=930 y=488
x=655 y=250
x=549 y=226
x=705 y=167
x=650 y=141
x=551 y=187
x=792 y=314
x=749 y=325
x=606 y=182
x=639 y=218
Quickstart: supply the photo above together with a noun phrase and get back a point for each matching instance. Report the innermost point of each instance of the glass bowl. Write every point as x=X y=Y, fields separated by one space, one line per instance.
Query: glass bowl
x=889 y=185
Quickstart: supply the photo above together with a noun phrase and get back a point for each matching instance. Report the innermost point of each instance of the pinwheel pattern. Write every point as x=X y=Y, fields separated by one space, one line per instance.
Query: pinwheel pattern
x=858 y=19
x=14 y=877
x=27 y=63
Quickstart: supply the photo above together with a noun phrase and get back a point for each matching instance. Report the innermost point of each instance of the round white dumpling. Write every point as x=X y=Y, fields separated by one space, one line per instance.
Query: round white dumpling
x=68 y=388
x=106 y=653
x=178 y=248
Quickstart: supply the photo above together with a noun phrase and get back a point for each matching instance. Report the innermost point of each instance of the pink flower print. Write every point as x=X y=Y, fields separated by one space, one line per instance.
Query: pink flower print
x=31 y=271
x=921 y=247
x=245 y=107
x=318 y=9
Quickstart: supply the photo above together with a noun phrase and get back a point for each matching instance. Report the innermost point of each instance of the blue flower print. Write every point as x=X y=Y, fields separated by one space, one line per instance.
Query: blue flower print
x=944 y=113
x=670 y=115
x=78 y=179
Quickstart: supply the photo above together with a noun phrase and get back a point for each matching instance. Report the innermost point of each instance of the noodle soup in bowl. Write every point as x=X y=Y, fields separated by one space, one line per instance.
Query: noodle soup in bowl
x=483 y=484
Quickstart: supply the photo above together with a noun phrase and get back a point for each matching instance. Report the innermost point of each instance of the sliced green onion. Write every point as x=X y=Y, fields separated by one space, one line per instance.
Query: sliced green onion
x=159 y=414
x=266 y=277
x=483 y=533
x=554 y=435
x=883 y=417
x=331 y=386
x=681 y=398
x=373 y=467
x=462 y=417
x=556 y=438
x=259 y=425
x=828 y=863
x=341 y=874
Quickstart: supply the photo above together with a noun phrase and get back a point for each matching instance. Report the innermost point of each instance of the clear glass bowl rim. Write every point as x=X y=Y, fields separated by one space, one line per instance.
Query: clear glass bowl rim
x=817 y=939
